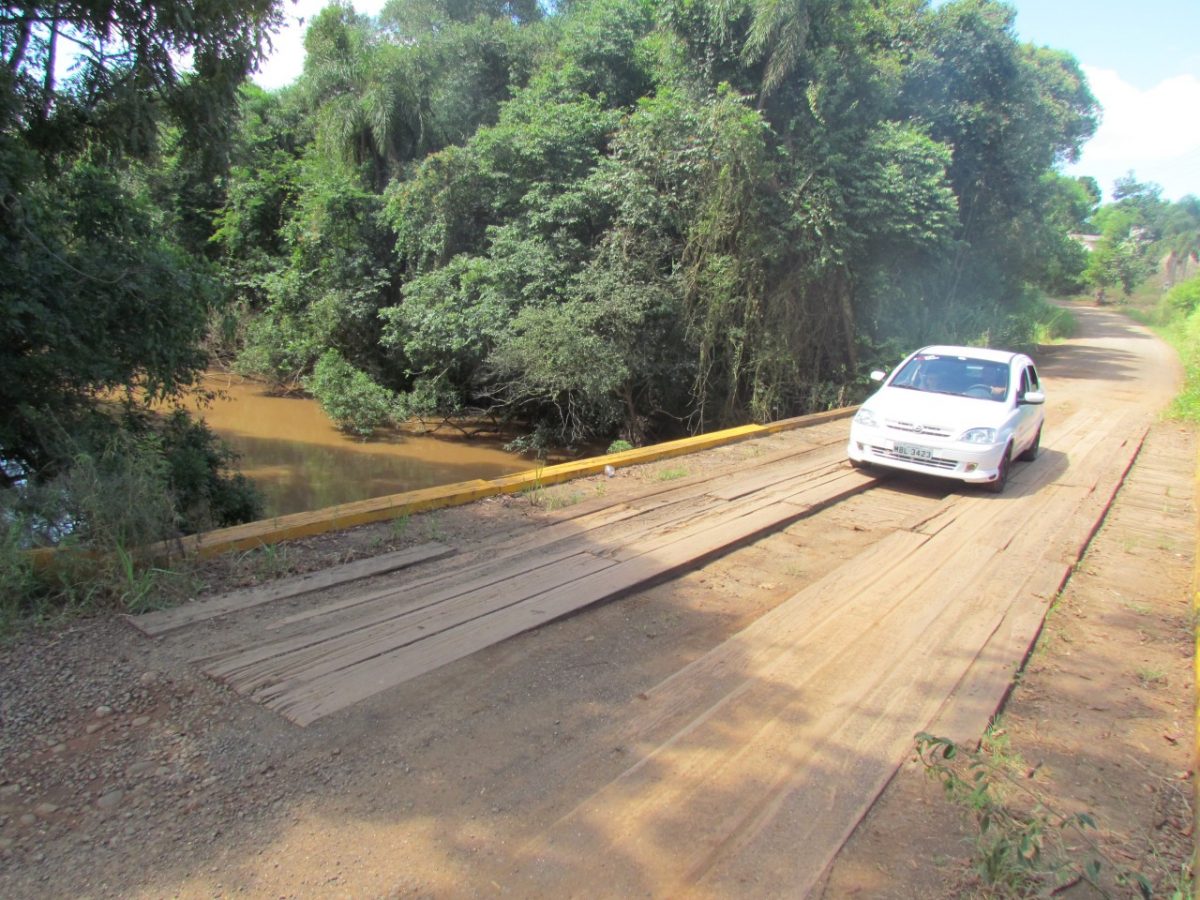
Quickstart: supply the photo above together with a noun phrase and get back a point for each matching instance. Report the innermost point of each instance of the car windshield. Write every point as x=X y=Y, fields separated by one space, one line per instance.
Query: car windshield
x=960 y=376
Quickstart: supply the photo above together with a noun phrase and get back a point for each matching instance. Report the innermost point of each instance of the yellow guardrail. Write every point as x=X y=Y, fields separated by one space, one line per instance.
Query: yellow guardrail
x=362 y=512
x=393 y=506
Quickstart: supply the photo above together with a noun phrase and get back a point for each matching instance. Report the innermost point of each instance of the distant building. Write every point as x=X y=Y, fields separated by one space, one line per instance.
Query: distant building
x=1089 y=241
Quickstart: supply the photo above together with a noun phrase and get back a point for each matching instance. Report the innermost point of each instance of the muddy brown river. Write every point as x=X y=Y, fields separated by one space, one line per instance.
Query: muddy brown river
x=288 y=446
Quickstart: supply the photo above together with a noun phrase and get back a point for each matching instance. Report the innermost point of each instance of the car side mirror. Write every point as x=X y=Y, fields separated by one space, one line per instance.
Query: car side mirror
x=1034 y=397
x=878 y=375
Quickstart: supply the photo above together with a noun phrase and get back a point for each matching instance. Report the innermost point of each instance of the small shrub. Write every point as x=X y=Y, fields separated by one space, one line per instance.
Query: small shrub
x=17 y=582
x=428 y=398
x=619 y=446
x=1024 y=847
x=207 y=493
x=349 y=397
x=1184 y=298
x=139 y=486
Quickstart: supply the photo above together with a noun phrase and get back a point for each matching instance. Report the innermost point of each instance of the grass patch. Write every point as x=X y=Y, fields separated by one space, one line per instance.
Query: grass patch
x=672 y=473
x=1184 y=336
x=1053 y=323
x=1151 y=676
x=1174 y=316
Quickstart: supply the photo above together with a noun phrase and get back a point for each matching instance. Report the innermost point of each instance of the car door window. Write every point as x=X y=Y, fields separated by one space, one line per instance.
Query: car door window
x=1029 y=382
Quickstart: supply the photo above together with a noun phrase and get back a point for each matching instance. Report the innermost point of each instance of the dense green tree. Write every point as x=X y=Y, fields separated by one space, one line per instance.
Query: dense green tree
x=99 y=294
x=414 y=19
x=94 y=297
x=632 y=216
x=1068 y=205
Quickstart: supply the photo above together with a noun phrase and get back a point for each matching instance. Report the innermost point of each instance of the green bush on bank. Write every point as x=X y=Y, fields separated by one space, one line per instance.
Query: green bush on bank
x=1034 y=321
x=1175 y=317
x=135 y=481
x=348 y=395
x=1179 y=317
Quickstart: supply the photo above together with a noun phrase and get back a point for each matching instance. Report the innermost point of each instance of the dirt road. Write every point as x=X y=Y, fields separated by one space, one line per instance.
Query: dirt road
x=717 y=732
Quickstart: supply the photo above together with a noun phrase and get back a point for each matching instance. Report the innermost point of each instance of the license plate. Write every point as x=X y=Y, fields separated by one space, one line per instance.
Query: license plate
x=911 y=451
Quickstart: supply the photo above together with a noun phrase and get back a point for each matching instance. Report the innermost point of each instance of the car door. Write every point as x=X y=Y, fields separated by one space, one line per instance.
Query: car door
x=1028 y=414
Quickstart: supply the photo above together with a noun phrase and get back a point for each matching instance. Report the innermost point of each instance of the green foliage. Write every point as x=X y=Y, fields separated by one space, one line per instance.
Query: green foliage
x=125 y=72
x=328 y=289
x=349 y=396
x=205 y=490
x=619 y=446
x=1024 y=847
x=108 y=179
x=1184 y=334
x=1121 y=259
x=17 y=581
x=93 y=298
x=1184 y=298
x=636 y=218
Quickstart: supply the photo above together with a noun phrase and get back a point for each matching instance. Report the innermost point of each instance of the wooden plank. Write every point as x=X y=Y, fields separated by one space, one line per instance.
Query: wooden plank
x=163 y=621
x=774 y=476
x=303 y=700
x=329 y=658
x=606 y=529
x=400 y=603
x=613 y=530
x=807 y=720
x=845 y=719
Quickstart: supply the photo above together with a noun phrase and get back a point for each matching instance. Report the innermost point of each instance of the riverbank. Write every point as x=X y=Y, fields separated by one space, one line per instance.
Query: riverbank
x=300 y=461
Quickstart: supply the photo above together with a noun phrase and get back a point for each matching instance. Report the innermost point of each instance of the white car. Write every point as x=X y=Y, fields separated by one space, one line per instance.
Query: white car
x=957 y=412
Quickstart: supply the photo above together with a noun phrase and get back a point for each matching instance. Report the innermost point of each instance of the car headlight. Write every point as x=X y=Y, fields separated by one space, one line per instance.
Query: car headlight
x=979 y=436
x=865 y=417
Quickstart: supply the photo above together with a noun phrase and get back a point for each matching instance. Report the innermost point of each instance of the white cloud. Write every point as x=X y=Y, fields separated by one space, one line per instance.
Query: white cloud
x=1155 y=133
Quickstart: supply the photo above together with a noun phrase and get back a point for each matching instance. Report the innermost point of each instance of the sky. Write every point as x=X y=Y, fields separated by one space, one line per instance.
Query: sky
x=1142 y=62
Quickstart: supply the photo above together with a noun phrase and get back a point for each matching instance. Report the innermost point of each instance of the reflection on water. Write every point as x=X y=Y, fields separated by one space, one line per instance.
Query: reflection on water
x=301 y=462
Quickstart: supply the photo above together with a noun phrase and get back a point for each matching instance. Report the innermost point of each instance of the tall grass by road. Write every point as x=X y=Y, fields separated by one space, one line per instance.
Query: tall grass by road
x=1174 y=315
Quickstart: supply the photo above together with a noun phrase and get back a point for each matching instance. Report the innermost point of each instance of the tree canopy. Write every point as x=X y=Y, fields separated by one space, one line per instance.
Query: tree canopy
x=595 y=218
x=637 y=217
x=104 y=172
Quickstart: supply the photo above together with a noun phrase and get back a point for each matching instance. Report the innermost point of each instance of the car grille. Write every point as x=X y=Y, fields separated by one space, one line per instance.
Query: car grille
x=933 y=462
x=917 y=428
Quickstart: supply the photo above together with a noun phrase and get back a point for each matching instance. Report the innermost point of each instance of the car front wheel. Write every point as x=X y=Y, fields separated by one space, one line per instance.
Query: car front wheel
x=997 y=486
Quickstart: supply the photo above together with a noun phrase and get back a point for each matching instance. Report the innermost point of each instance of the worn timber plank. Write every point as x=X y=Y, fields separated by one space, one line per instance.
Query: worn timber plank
x=605 y=529
x=304 y=694
x=163 y=621
x=329 y=658
x=887 y=645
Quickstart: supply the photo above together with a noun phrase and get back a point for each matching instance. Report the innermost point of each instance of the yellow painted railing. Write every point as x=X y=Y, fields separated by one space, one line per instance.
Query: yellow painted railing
x=393 y=506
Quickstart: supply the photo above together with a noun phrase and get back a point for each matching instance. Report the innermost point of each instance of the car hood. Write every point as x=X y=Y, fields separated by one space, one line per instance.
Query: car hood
x=943 y=412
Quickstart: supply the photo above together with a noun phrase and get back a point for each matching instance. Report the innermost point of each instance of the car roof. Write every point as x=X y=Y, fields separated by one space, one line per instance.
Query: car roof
x=984 y=353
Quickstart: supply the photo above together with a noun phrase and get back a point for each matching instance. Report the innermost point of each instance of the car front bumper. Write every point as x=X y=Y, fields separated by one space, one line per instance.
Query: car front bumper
x=972 y=463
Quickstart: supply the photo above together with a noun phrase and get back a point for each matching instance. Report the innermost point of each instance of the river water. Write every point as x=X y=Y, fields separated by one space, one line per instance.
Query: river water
x=300 y=461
